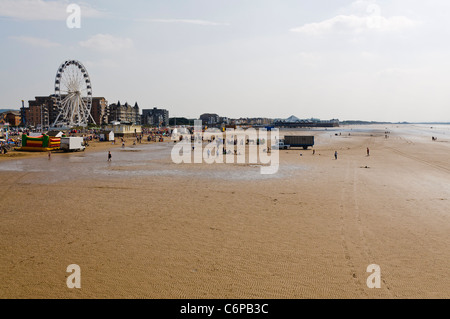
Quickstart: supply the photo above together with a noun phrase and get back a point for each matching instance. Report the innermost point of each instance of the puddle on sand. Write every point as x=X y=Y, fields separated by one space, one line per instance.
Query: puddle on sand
x=139 y=161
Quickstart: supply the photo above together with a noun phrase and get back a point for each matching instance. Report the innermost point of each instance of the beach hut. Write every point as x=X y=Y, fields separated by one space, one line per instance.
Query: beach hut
x=106 y=136
x=125 y=130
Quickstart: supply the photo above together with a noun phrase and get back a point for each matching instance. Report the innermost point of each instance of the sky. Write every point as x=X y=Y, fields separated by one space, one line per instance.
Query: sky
x=348 y=60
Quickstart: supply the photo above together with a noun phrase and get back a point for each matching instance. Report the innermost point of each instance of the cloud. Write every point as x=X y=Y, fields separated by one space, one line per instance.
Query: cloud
x=43 y=10
x=185 y=21
x=107 y=42
x=361 y=16
x=36 y=42
x=356 y=24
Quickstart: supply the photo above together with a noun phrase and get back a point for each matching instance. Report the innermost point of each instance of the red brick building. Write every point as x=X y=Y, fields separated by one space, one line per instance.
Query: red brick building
x=10 y=117
x=13 y=118
x=100 y=110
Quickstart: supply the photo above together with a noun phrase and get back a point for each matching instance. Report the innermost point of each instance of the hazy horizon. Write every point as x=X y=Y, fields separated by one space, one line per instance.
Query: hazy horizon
x=362 y=60
x=325 y=119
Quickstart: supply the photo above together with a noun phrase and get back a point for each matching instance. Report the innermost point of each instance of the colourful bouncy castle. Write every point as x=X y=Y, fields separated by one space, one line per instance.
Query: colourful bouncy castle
x=41 y=143
x=54 y=143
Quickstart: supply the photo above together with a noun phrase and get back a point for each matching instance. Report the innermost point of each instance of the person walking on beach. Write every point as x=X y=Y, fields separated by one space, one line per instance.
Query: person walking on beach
x=335 y=155
x=109 y=156
x=368 y=152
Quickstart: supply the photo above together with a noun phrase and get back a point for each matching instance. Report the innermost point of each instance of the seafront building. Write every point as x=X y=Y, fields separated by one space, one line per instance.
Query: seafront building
x=210 y=119
x=100 y=110
x=42 y=111
x=155 y=117
x=10 y=117
x=124 y=113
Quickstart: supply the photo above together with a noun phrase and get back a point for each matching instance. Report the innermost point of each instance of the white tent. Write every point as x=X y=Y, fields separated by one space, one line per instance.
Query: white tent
x=180 y=131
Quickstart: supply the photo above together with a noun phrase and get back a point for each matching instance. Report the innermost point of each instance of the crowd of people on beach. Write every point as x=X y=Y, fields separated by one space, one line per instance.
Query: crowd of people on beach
x=155 y=135
x=9 y=143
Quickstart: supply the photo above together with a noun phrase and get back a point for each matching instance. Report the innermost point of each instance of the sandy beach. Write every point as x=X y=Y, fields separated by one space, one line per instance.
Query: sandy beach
x=144 y=227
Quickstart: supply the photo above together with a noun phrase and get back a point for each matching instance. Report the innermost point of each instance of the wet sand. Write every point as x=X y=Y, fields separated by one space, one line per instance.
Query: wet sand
x=94 y=145
x=143 y=227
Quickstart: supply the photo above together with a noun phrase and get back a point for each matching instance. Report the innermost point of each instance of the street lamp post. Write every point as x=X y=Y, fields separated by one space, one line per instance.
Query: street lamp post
x=22 y=115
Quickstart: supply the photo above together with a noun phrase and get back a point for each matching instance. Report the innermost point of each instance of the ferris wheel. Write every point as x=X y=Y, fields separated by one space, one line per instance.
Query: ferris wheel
x=73 y=92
